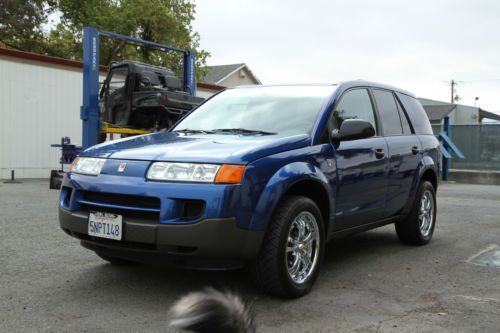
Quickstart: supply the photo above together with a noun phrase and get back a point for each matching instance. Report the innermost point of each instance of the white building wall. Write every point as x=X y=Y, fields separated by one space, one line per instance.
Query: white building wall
x=466 y=115
x=39 y=103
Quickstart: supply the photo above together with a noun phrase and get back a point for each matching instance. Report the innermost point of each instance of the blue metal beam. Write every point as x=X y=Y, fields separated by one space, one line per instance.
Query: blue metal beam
x=141 y=41
x=89 y=111
x=444 y=151
x=450 y=145
x=189 y=74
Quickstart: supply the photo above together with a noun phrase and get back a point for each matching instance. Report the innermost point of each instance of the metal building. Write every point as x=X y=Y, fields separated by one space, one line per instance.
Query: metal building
x=41 y=98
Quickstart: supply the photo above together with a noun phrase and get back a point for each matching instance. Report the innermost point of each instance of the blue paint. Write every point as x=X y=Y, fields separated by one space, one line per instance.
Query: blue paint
x=446 y=146
x=358 y=186
x=89 y=112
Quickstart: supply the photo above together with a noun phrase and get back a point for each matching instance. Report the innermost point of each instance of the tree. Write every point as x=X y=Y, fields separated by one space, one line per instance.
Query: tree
x=21 y=24
x=163 y=21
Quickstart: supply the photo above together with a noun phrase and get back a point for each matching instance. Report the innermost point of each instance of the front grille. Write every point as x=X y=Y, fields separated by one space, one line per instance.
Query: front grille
x=130 y=206
x=122 y=199
x=129 y=213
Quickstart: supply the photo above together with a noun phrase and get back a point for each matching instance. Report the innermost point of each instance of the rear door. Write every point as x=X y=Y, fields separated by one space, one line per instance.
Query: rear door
x=404 y=149
x=361 y=165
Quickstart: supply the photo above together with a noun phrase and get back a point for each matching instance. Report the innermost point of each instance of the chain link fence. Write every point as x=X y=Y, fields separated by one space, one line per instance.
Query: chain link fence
x=480 y=145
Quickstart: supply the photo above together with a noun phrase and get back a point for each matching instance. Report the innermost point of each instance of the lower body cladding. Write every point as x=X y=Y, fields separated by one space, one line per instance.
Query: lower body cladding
x=207 y=244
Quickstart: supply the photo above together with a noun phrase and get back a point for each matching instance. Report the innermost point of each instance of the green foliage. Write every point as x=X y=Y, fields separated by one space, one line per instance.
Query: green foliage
x=163 y=21
x=21 y=24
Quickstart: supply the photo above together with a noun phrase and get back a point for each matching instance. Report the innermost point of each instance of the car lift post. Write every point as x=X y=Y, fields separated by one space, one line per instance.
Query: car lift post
x=446 y=146
x=89 y=112
x=446 y=161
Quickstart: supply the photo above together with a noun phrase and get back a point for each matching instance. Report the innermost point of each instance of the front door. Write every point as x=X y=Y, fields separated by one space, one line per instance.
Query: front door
x=361 y=165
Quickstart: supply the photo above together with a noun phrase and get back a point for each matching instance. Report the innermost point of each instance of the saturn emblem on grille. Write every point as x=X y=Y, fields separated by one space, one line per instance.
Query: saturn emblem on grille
x=122 y=167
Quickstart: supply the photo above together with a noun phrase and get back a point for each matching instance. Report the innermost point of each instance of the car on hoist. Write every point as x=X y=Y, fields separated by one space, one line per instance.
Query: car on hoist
x=141 y=96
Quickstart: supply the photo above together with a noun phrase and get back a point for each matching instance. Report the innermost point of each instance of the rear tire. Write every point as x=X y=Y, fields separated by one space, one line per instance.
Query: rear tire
x=289 y=260
x=116 y=261
x=418 y=227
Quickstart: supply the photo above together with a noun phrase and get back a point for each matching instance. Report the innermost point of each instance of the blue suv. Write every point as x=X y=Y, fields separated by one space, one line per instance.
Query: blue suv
x=261 y=175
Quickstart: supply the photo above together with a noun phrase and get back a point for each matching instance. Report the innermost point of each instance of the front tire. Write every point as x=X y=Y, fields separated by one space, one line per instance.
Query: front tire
x=289 y=261
x=418 y=227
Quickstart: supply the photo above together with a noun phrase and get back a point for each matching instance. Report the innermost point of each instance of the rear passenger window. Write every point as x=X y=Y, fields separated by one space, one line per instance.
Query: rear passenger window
x=388 y=111
x=416 y=113
x=404 y=119
x=354 y=104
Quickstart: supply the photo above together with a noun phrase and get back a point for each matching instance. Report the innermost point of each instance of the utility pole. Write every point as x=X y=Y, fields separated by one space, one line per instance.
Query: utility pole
x=452 y=84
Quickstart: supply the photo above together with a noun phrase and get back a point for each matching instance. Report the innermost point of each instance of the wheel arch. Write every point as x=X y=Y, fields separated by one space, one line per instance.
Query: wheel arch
x=427 y=171
x=430 y=175
x=298 y=178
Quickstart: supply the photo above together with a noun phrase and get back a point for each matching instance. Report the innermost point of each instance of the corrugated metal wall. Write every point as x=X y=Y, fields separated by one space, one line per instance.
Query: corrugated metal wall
x=39 y=103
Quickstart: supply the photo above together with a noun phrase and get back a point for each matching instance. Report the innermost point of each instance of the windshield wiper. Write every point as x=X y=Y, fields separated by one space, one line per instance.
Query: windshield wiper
x=193 y=131
x=242 y=131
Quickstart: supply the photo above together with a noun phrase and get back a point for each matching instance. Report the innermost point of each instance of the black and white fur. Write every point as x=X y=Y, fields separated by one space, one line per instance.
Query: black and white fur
x=212 y=310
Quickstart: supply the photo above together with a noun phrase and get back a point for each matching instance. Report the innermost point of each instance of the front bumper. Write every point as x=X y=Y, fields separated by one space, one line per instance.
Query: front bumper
x=215 y=243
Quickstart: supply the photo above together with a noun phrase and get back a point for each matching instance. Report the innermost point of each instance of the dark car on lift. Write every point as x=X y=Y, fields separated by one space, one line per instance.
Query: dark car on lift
x=261 y=175
x=143 y=96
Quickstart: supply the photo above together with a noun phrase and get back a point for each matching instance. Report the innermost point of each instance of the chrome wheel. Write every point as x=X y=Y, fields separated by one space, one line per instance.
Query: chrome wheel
x=302 y=247
x=426 y=213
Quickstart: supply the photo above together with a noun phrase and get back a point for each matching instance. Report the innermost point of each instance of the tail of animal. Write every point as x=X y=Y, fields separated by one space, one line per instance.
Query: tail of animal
x=212 y=311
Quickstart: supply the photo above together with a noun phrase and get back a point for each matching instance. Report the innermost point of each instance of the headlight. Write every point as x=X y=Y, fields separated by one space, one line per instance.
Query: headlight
x=183 y=172
x=196 y=172
x=87 y=166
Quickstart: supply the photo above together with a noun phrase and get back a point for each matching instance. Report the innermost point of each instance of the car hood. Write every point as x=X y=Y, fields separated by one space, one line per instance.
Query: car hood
x=209 y=148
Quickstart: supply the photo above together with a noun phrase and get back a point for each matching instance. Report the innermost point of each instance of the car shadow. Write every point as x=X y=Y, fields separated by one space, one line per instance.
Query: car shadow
x=153 y=280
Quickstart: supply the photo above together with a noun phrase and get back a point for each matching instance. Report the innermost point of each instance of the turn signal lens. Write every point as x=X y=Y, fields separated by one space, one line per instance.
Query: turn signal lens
x=73 y=163
x=230 y=174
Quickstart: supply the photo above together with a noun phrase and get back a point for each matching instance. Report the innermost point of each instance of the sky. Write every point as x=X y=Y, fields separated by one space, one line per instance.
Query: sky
x=418 y=46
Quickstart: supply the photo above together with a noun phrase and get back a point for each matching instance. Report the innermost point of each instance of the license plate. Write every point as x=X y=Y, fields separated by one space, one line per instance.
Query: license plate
x=105 y=225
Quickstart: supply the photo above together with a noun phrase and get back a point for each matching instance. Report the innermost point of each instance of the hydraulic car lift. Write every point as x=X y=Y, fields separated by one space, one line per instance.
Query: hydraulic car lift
x=89 y=112
x=92 y=125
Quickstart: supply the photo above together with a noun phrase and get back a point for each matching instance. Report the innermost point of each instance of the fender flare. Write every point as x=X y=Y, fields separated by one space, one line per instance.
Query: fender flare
x=278 y=185
x=427 y=163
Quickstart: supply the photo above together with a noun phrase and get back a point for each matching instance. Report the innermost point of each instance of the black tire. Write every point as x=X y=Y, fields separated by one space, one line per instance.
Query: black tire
x=409 y=229
x=271 y=268
x=116 y=261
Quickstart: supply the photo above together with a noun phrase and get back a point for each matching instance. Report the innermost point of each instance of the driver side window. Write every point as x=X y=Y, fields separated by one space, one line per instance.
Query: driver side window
x=354 y=104
x=118 y=79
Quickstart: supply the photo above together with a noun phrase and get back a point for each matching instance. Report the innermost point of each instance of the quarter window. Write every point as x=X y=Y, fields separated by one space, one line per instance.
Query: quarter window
x=354 y=104
x=389 y=114
x=416 y=114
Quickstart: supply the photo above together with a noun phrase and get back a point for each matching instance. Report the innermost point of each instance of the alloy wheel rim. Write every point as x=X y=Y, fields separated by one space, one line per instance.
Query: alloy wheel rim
x=426 y=213
x=302 y=247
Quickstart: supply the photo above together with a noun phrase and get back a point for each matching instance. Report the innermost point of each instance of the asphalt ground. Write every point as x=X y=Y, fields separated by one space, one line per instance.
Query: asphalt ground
x=369 y=282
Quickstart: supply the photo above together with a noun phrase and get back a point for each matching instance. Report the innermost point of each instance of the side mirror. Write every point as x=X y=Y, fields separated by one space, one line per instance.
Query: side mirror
x=353 y=129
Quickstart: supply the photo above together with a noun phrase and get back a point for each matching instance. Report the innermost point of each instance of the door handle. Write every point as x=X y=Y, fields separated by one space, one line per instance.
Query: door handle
x=379 y=153
x=415 y=150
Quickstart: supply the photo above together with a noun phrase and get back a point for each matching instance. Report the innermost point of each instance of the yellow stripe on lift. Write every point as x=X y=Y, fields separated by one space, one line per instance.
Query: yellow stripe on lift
x=107 y=128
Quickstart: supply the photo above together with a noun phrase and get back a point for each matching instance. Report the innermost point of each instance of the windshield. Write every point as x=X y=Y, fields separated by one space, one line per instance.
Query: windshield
x=261 y=110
